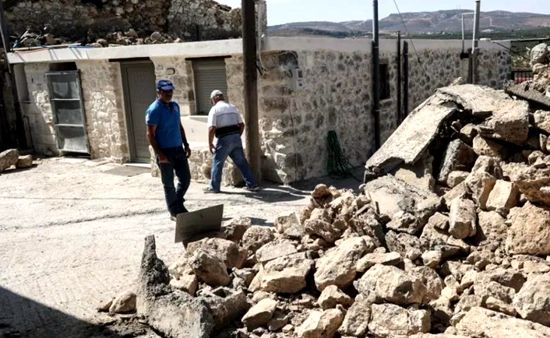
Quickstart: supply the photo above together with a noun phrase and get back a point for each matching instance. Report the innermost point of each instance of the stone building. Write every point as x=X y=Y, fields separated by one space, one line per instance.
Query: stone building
x=92 y=100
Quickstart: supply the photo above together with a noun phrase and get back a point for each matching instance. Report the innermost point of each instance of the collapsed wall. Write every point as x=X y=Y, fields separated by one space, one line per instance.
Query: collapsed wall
x=50 y=22
x=449 y=238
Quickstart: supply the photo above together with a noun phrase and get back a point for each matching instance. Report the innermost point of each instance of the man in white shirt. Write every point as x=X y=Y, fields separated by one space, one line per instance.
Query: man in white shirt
x=225 y=122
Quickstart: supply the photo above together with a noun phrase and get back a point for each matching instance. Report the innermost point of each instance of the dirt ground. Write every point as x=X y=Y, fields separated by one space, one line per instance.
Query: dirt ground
x=71 y=236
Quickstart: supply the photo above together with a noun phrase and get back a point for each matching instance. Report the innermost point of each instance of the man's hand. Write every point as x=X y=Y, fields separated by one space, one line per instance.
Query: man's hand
x=163 y=159
x=187 y=151
x=212 y=148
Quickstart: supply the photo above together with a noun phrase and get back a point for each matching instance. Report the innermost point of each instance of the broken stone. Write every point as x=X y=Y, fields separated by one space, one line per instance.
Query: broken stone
x=462 y=218
x=542 y=120
x=225 y=304
x=8 y=158
x=321 y=324
x=332 y=296
x=320 y=224
x=468 y=132
x=259 y=314
x=430 y=278
x=480 y=100
x=480 y=185
x=485 y=147
x=456 y=177
x=408 y=207
x=408 y=142
x=24 y=162
x=234 y=230
x=419 y=174
x=371 y=259
x=406 y=245
x=492 y=230
x=187 y=283
x=256 y=236
x=337 y=266
x=357 y=318
x=290 y=226
x=320 y=191
x=489 y=165
x=432 y=258
x=503 y=197
x=539 y=54
x=390 y=284
x=124 y=303
x=278 y=321
x=480 y=322
x=275 y=249
x=210 y=269
x=225 y=250
x=176 y=313
x=529 y=232
x=458 y=156
x=532 y=302
x=285 y=274
x=509 y=122
x=389 y=320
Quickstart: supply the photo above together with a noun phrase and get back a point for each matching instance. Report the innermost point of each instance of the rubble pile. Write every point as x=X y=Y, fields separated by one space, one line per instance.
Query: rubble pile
x=540 y=63
x=448 y=237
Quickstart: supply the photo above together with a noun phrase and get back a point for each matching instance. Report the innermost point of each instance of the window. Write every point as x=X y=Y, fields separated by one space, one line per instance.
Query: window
x=68 y=111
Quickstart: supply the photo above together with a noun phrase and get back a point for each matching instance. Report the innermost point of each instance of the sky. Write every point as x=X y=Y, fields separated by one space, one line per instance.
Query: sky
x=284 y=11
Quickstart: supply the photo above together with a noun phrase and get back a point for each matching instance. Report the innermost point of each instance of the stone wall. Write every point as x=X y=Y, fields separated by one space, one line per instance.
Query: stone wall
x=295 y=122
x=78 y=20
x=203 y=20
x=180 y=72
x=37 y=111
x=336 y=95
x=105 y=122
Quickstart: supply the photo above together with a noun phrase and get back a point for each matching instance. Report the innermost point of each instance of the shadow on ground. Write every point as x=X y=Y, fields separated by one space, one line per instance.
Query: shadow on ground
x=24 y=317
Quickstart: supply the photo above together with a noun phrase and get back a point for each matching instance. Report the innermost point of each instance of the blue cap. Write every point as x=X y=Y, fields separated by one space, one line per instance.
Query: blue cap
x=165 y=85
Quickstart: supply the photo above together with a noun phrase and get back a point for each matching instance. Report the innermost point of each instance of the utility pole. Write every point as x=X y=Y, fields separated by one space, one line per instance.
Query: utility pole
x=399 y=70
x=21 y=139
x=376 y=75
x=251 y=87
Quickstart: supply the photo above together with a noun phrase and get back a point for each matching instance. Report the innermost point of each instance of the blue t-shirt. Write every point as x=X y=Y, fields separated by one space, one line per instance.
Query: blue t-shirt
x=167 y=119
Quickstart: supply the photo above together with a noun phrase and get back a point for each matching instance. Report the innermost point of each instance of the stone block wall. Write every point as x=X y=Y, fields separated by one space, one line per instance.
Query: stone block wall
x=203 y=20
x=37 y=111
x=105 y=122
x=180 y=72
x=294 y=122
x=495 y=67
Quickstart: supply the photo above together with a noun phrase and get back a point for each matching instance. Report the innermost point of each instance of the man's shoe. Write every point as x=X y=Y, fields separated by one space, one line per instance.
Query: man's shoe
x=209 y=190
x=254 y=188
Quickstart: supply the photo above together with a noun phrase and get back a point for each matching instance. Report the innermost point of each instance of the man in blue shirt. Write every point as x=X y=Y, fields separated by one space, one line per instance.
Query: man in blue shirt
x=167 y=137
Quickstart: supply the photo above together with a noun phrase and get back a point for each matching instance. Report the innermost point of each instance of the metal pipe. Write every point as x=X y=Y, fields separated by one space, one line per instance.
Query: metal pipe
x=250 y=87
x=376 y=75
x=405 y=79
x=398 y=62
x=463 y=29
x=475 y=39
x=475 y=44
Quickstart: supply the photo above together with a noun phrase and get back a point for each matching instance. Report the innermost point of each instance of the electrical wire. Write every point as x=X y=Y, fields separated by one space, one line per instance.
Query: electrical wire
x=411 y=41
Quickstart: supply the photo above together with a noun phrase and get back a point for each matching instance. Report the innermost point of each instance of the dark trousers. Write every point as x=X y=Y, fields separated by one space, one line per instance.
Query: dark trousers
x=179 y=165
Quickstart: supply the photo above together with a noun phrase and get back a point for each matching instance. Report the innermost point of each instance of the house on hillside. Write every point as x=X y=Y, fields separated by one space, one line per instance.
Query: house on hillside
x=92 y=100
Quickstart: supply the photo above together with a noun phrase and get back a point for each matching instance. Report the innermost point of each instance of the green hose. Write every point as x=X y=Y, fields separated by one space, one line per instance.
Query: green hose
x=337 y=163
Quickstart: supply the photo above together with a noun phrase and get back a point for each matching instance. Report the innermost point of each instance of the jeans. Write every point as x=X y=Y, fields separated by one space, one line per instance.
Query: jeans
x=230 y=145
x=179 y=165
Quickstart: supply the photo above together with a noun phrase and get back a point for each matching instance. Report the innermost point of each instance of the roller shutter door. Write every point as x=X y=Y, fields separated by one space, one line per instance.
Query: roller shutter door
x=209 y=75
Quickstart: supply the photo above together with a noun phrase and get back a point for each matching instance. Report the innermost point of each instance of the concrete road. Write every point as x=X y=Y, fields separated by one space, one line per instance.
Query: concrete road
x=72 y=230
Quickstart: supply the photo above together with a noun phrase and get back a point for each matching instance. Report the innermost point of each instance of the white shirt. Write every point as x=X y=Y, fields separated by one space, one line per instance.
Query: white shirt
x=224 y=114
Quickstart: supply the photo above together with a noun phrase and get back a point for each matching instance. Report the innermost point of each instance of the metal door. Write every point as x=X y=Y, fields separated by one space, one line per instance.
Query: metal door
x=68 y=111
x=139 y=92
x=209 y=75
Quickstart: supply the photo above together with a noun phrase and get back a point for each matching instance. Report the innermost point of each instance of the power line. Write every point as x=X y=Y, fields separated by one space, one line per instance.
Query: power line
x=411 y=41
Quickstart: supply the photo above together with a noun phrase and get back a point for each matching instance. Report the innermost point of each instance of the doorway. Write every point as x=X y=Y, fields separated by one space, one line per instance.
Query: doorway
x=138 y=80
